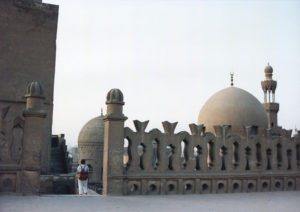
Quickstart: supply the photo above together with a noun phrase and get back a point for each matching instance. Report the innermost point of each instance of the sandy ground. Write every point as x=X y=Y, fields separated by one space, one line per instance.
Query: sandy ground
x=268 y=201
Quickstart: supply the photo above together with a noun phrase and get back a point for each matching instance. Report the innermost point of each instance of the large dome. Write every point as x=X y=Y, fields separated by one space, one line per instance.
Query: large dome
x=233 y=106
x=92 y=131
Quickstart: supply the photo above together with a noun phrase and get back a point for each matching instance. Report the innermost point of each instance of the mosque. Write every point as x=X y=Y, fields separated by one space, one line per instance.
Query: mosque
x=231 y=106
x=236 y=146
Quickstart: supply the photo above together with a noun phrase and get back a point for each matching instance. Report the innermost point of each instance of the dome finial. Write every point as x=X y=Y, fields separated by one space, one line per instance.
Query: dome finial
x=101 y=111
x=231 y=76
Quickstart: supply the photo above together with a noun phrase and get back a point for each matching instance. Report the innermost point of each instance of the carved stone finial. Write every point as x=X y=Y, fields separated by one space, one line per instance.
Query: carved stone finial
x=197 y=129
x=231 y=76
x=286 y=133
x=140 y=126
x=114 y=96
x=222 y=130
x=114 y=102
x=34 y=89
x=34 y=100
x=268 y=72
x=169 y=127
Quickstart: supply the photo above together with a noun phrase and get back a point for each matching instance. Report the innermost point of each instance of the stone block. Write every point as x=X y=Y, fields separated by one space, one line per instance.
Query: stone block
x=46 y=184
x=221 y=186
x=30 y=182
x=277 y=184
x=290 y=184
x=250 y=185
x=188 y=186
x=235 y=186
x=264 y=185
x=153 y=187
x=172 y=187
x=134 y=187
x=205 y=186
x=7 y=183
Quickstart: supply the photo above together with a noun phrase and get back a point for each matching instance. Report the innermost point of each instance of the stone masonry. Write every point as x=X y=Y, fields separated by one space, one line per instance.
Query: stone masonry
x=197 y=162
x=23 y=174
x=27 y=48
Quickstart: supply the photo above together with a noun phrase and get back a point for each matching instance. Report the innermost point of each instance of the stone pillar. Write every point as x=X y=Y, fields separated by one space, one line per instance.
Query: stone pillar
x=113 y=144
x=33 y=137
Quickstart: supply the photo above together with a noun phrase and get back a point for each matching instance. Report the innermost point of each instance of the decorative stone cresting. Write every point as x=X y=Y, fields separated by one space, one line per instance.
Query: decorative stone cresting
x=201 y=162
x=169 y=128
x=140 y=126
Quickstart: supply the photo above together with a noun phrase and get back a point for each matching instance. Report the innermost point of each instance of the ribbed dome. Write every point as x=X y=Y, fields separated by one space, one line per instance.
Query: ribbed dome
x=233 y=106
x=34 y=89
x=114 y=96
x=92 y=131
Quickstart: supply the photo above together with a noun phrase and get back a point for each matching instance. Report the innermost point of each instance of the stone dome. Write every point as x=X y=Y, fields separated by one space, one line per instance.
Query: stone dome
x=92 y=131
x=233 y=106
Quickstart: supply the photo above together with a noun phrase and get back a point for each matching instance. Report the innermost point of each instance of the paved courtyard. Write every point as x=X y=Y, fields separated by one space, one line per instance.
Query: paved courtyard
x=268 y=201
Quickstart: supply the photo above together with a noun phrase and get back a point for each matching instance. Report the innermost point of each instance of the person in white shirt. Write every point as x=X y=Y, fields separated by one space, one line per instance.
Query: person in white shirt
x=82 y=171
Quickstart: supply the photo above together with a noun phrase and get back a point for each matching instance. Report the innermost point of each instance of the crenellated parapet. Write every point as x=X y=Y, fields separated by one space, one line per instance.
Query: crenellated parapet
x=152 y=161
x=201 y=162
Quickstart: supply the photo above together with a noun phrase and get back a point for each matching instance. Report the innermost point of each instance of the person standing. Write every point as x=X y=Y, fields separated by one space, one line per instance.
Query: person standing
x=83 y=171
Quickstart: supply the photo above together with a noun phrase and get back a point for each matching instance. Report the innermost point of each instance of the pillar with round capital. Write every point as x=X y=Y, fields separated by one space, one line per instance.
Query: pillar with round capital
x=113 y=144
x=33 y=137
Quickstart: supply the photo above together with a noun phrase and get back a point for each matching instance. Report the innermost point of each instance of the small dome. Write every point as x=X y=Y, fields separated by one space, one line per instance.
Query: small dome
x=92 y=131
x=34 y=89
x=114 y=96
x=233 y=106
x=268 y=69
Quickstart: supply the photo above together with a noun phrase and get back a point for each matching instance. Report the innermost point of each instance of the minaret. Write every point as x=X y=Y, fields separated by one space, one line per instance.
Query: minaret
x=269 y=87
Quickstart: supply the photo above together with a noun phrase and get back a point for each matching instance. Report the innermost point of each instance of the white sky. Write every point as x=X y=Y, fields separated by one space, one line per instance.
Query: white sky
x=168 y=57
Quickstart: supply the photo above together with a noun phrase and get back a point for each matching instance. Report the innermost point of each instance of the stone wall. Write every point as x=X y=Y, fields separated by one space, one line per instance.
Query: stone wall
x=60 y=161
x=27 y=49
x=199 y=162
x=21 y=145
x=58 y=184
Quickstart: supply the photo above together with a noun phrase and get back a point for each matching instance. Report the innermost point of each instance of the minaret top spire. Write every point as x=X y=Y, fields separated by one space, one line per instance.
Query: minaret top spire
x=231 y=78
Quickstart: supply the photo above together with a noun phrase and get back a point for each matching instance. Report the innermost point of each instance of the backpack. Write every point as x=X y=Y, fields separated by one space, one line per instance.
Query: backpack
x=83 y=175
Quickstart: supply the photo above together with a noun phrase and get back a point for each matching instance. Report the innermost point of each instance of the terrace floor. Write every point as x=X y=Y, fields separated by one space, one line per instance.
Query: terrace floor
x=266 y=201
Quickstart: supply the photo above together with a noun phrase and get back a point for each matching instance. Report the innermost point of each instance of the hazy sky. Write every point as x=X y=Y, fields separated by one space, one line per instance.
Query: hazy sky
x=168 y=57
